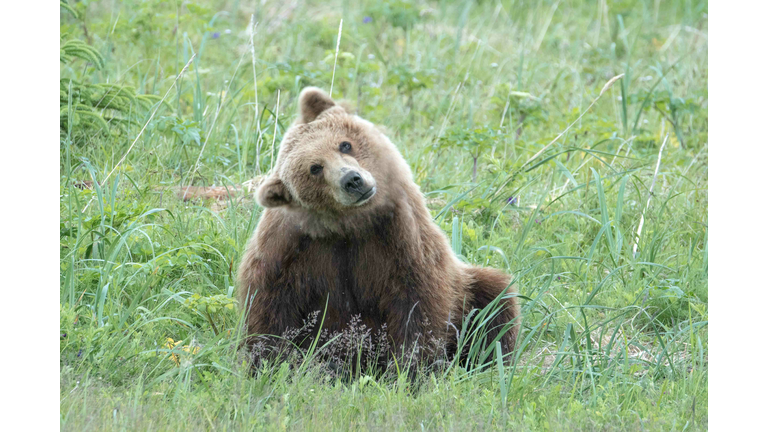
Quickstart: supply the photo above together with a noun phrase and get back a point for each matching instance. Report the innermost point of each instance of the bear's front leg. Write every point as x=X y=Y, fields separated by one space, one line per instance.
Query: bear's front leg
x=273 y=313
x=267 y=291
x=416 y=326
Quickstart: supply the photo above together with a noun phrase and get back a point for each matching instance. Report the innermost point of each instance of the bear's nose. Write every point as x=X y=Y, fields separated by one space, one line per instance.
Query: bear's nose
x=352 y=182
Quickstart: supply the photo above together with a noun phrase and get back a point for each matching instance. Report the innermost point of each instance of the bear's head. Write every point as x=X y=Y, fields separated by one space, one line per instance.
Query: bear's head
x=333 y=164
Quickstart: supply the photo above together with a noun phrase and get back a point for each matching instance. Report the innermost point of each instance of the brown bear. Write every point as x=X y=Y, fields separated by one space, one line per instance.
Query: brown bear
x=346 y=232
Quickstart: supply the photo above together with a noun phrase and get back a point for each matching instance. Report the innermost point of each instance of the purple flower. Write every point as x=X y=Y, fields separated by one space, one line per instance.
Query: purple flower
x=80 y=352
x=512 y=200
x=367 y=19
x=216 y=35
x=538 y=222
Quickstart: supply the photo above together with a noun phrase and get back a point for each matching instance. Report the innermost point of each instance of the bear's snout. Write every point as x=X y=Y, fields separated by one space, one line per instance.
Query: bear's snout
x=353 y=183
x=356 y=187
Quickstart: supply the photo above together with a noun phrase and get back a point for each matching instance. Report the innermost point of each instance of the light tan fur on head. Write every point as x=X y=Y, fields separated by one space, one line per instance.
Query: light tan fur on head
x=312 y=102
x=323 y=156
x=272 y=193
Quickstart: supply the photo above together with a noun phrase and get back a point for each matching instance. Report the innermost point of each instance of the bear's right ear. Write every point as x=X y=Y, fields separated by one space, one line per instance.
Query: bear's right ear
x=273 y=193
x=312 y=102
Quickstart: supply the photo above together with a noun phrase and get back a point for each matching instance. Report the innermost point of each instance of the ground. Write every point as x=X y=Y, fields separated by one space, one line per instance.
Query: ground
x=491 y=103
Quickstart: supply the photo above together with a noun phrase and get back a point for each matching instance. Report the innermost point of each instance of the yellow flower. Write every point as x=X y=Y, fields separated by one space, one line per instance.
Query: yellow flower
x=171 y=344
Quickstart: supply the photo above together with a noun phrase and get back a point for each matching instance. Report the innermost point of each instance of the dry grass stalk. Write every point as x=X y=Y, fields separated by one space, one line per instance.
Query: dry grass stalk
x=274 y=134
x=605 y=87
x=184 y=69
x=252 y=31
x=650 y=195
x=215 y=117
x=336 y=57
x=150 y=117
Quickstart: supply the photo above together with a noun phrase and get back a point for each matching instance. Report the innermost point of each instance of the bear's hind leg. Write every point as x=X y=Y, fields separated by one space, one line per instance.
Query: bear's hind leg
x=485 y=285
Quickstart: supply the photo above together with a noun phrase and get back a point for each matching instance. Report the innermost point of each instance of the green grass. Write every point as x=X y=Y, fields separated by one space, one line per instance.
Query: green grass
x=611 y=339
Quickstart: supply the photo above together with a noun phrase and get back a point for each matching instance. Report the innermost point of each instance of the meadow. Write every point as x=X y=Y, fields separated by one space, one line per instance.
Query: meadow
x=564 y=142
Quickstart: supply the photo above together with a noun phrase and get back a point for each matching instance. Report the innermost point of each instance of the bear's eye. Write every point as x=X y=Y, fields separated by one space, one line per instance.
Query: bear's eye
x=345 y=147
x=316 y=169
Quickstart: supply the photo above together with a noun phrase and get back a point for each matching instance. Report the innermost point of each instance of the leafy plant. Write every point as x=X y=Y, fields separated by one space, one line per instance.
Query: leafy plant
x=92 y=108
x=518 y=108
x=474 y=141
x=175 y=346
x=75 y=48
x=398 y=13
x=409 y=81
x=96 y=107
x=211 y=307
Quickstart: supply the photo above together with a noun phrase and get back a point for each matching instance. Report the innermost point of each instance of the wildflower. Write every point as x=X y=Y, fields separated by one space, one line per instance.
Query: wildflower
x=216 y=35
x=367 y=19
x=171 y=345
x=512 y=201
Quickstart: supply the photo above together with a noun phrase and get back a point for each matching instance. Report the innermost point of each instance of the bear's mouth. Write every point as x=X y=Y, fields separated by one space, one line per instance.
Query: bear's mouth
x=366 y=196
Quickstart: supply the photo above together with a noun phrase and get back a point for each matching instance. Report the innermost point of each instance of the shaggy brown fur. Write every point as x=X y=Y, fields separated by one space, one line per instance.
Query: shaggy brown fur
x=380 y=257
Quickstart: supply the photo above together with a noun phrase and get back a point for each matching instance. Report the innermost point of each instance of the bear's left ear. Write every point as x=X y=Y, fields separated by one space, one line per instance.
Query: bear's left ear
x=273 y=193
x=312 y=102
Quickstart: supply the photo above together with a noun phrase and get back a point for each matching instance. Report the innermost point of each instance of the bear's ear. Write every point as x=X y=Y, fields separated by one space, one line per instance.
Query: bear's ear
x=273 y=193
x=312 y=102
